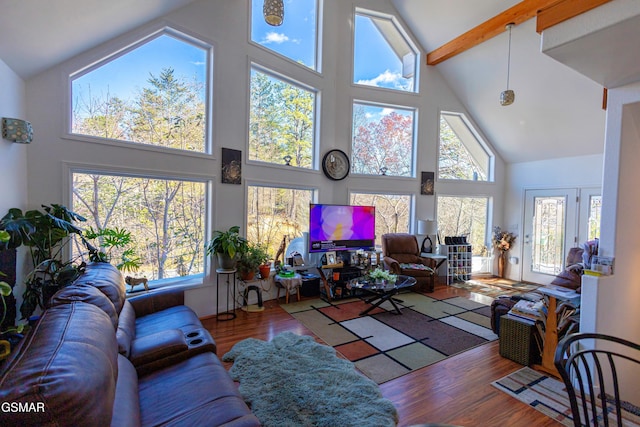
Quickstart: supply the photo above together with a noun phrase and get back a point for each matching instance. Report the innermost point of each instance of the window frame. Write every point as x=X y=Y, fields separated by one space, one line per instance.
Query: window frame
x=479 y=139
x=202 y=279
x=317 y=106
x=121 y=48
x=276 y=185
x=319 y=37
x=412 y=204
x=488 y=214
x=414 y=130
x=405 y=35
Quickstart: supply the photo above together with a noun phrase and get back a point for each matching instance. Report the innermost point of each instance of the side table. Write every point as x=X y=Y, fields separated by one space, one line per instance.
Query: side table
x=289 y=284
x=228 y=274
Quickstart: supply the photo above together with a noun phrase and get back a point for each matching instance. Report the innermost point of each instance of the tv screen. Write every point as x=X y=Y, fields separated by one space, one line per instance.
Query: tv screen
x=341 y=227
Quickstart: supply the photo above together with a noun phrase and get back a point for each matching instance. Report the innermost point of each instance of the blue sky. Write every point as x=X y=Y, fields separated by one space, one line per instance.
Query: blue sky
x=376 y=64
x=127 y=74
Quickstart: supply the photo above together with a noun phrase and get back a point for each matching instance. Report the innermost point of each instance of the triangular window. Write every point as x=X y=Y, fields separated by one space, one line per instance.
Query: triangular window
x=383 y=55
x=462 y=154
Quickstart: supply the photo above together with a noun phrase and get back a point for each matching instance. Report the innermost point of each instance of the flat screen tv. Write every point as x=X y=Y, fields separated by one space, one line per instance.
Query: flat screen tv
x=341 y=227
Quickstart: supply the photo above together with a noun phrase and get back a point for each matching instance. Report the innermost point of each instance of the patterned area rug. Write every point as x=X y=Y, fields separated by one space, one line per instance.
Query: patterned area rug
x=385 y=345
x=496 y=286
x=546 y=395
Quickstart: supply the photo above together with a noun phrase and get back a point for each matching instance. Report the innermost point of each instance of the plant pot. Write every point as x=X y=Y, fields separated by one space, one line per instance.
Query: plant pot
x=265 y=270
x=225 y=262
x=247 y=275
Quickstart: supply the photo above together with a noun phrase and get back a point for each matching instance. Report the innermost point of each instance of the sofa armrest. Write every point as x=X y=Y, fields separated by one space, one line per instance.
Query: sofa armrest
x=156 y=301
x=157 y=346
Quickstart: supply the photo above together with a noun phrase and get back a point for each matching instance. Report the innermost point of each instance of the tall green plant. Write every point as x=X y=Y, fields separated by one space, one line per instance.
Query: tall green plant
x=46 y=234
x=109 y=242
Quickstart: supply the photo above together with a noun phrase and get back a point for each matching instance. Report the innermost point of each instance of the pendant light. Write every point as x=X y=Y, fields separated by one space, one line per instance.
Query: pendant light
x=508 y=96
x=273 y=11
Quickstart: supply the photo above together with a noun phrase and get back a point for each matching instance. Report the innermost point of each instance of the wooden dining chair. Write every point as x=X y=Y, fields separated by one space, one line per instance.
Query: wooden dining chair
x=601 y=373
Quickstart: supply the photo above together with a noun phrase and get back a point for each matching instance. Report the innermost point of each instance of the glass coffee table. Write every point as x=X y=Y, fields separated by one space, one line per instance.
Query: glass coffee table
x=379 y=293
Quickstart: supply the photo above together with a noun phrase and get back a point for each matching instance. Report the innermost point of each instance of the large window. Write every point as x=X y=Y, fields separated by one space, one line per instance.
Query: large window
x=282 y=120
x=155 y=93
x=462 y=155
x=464 y=216
x=277 y=213
x=296 y=38
x=383 y=140
x=384 y=56
x=166 y=218
x=393 y=212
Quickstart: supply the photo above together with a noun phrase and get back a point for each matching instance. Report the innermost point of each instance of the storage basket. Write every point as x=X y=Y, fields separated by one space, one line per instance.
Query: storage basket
x=517 y=341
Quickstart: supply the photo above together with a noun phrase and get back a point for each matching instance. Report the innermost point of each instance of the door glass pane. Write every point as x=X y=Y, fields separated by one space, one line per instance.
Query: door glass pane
x=548 y=235
x=595 y=205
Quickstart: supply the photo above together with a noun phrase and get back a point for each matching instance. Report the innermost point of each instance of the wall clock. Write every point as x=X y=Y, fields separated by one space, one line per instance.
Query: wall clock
x=335 y=165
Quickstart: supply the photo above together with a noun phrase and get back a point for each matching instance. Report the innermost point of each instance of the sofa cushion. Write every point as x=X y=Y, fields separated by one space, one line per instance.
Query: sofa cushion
x=67 y=366
x=126 y=332
x=126 y=410
x=89 y=294
x=197 y=391
x=107 y=279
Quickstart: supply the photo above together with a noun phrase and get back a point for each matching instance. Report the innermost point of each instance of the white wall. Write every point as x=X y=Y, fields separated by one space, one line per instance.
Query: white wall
x=13 y=156
x=569 y=172
x=224 y=24
x=610 y=305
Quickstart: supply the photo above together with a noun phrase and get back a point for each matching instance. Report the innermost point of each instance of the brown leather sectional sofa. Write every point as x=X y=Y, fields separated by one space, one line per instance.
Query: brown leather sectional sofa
x=96 y=358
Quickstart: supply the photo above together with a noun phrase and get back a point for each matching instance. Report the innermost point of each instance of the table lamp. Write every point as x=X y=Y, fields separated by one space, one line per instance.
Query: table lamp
x=429 y=228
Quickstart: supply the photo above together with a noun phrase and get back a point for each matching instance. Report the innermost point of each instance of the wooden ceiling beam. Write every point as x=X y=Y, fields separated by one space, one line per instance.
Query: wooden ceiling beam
x=563 y=10
x=517 y=14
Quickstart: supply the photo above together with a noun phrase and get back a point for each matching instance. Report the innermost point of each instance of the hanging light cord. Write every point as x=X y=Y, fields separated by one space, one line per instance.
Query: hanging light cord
x=509 y=55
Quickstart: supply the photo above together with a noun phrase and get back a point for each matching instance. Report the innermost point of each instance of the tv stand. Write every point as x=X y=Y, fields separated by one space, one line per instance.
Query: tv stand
x=334 y=278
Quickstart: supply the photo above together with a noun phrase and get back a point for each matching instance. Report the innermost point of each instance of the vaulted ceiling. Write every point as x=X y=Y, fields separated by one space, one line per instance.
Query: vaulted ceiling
x=557 y=112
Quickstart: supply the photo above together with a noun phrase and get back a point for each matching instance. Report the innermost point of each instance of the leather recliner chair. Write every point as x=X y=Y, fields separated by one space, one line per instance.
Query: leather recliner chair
x=401 y=255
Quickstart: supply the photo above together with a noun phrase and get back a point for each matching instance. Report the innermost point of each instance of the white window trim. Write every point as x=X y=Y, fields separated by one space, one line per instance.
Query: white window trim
x=99 y=57
x=414 y=144
x=319 y=37
x=253 y=65
x=479 y=138
x=407 y=38
x=192 y=281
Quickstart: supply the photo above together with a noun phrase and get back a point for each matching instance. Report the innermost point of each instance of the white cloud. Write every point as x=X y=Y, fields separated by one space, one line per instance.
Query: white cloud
x=386 y=79
x=275 y=38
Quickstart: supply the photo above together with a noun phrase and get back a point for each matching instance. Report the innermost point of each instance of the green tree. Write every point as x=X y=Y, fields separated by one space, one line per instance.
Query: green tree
x=281 y=121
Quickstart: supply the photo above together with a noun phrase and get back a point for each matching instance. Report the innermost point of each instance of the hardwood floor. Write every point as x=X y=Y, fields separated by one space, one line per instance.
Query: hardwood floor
x=454 y=391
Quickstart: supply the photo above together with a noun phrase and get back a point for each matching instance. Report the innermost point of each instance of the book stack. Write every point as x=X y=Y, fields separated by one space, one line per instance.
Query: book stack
x=530 y=311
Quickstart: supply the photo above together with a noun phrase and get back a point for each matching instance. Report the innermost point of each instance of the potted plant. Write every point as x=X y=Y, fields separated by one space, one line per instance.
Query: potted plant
x=46 y=234
x=251 y=257
x=227 y=245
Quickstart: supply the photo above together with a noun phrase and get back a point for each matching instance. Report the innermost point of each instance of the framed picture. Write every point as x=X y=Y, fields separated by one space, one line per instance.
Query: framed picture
x=331 y=258
x=231 y=166
x=427 y=183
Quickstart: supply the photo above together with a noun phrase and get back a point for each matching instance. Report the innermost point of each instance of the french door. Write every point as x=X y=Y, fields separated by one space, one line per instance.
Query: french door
x=550 y=224
x=555 y=221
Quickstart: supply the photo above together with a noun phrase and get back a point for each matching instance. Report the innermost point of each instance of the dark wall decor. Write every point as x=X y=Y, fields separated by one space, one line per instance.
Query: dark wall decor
x=231 y=166
x=427 y=183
